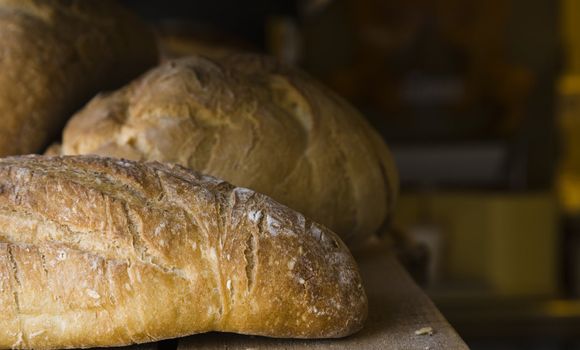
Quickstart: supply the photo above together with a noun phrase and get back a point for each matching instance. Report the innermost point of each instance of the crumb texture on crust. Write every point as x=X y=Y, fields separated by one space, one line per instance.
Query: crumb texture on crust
x=255 y=123
x=102 y=252
x=55 y=56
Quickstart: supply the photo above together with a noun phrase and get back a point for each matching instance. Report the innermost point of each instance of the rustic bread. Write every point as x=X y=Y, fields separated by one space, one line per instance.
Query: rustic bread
x=56 y=55
x=255 y=123
x=103 y=252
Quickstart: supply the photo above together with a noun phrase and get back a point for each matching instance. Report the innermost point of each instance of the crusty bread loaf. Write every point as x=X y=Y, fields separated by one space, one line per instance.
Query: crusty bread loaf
x=54 y=56
x=255 y=123
x=102 y=252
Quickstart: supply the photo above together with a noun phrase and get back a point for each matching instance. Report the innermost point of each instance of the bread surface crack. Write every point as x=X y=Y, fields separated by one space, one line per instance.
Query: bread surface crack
x=16 y=288
x=250 y=254
x=141 y=248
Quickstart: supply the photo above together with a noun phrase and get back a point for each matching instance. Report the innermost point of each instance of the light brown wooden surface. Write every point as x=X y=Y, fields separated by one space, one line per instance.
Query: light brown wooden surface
x=397 y=308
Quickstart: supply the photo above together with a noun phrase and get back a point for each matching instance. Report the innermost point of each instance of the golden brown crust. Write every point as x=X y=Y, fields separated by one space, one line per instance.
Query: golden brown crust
x=53 y=150
x=54 y=56
x=256 y=123
x=101 y=252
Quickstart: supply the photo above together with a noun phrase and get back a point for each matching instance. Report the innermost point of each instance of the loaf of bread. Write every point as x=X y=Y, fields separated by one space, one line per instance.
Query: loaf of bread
x=56 y=55
x=103 y=252
x=255 y=123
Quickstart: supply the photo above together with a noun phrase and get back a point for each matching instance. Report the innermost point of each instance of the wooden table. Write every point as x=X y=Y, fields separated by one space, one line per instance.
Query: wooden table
x=397 y=308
